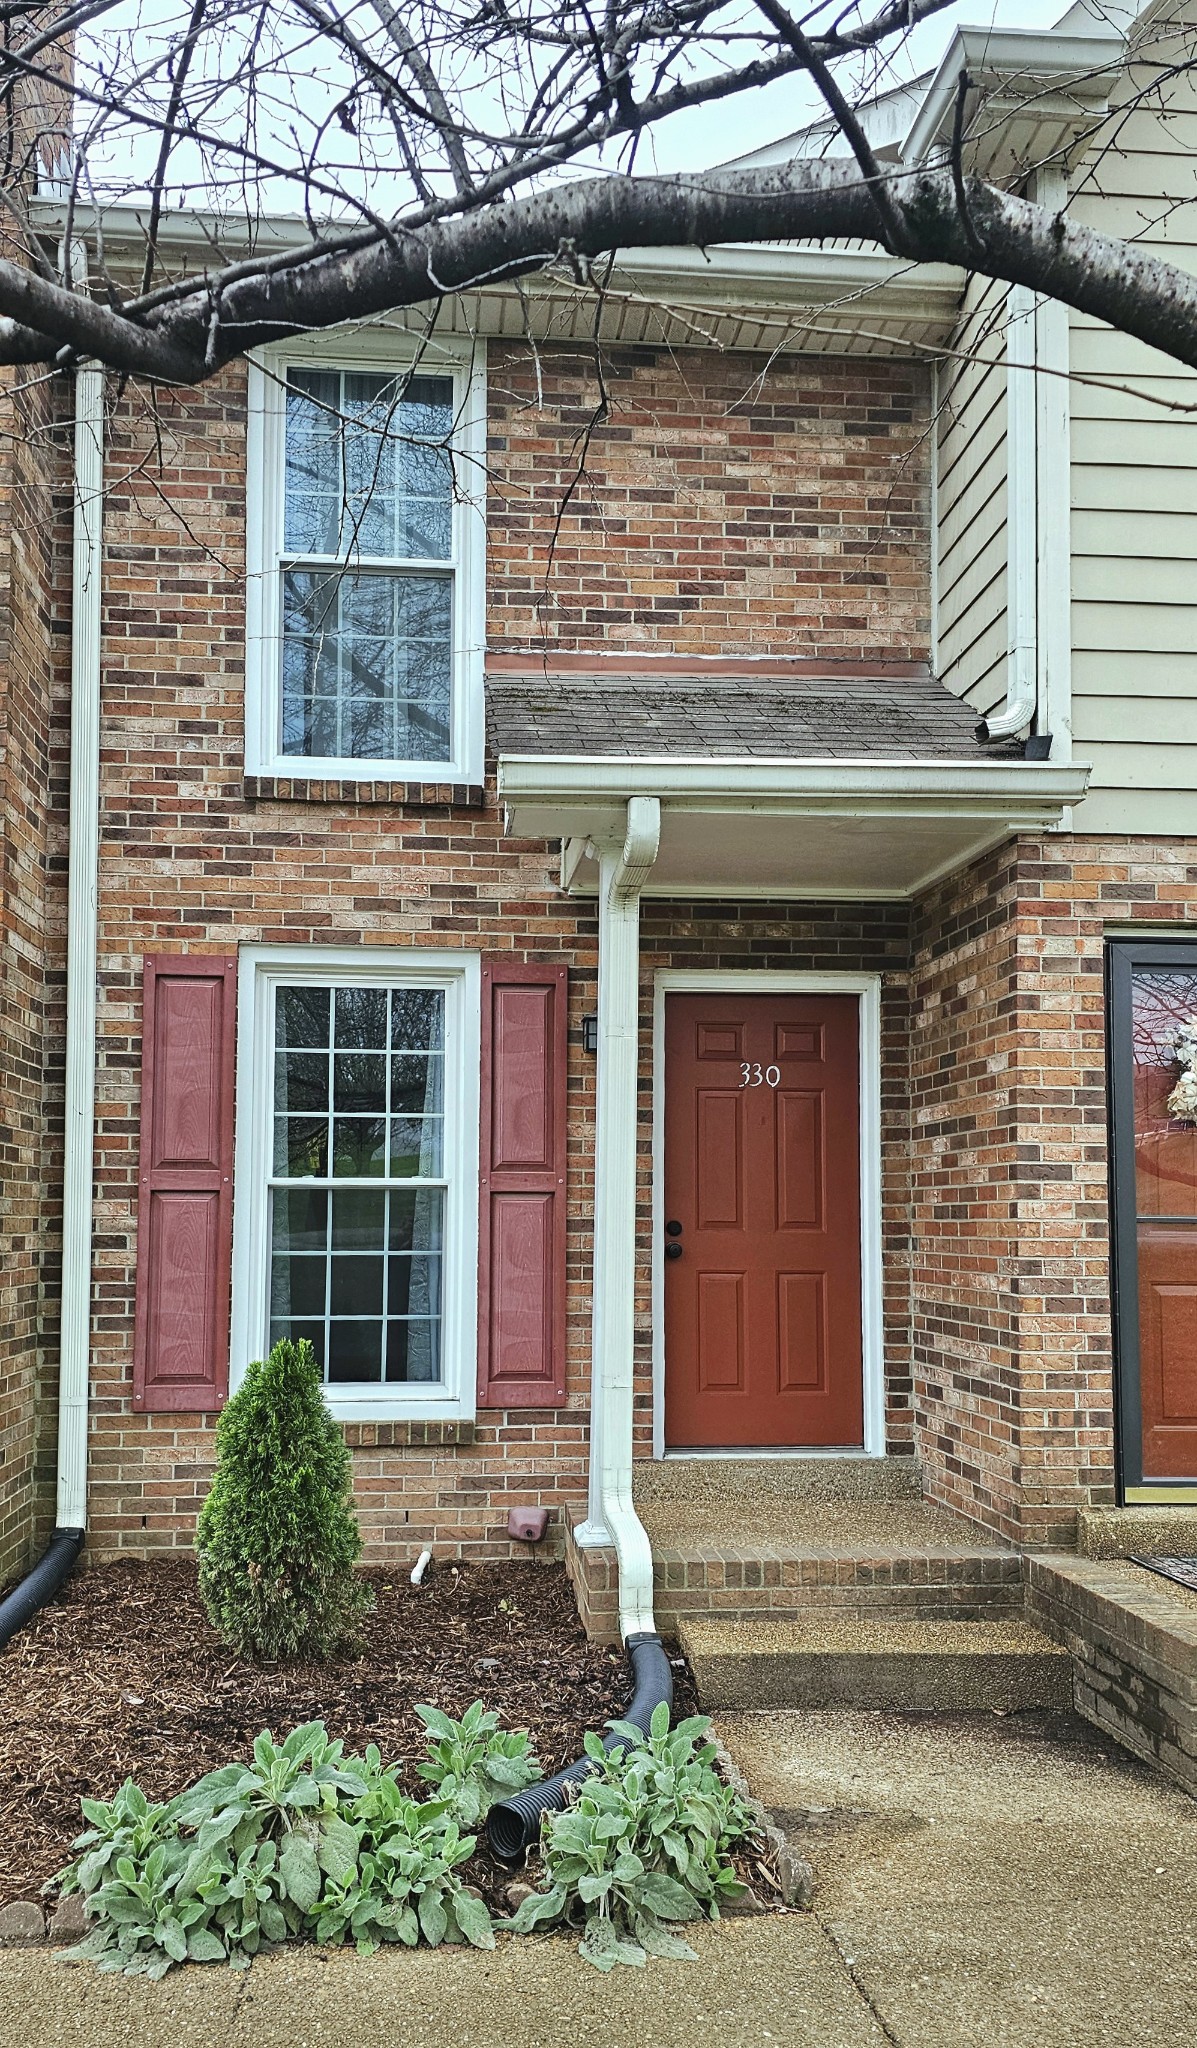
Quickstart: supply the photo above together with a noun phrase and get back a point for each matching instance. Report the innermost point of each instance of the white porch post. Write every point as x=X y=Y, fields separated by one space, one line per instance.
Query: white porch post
x=612 y=1517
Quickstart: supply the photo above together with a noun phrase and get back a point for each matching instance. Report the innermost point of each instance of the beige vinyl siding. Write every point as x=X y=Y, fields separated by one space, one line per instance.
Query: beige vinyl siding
x=1134 y=488
x=971 y=503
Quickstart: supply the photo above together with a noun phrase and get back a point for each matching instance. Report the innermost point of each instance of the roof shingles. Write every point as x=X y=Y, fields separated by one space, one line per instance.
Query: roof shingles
x=879 y=718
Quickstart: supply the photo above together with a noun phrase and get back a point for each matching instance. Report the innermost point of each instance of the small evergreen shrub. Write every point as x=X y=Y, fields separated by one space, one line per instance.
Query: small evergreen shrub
x=277 y=1537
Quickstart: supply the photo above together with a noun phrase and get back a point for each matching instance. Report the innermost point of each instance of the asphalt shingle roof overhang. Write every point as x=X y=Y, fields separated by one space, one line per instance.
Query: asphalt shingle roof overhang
x=806 y=786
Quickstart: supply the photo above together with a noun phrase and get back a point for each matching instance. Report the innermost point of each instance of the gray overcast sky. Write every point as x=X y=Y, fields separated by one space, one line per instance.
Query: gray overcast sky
x=711 y=135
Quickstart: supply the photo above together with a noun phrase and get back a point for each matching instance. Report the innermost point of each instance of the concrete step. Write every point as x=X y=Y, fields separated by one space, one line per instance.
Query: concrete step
x=786 y=1558
x=897 y=1665
x=1168 y=1531
x=764 y=1482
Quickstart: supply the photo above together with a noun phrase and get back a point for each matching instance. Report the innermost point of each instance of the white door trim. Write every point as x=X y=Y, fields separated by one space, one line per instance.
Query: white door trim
x=747 y=981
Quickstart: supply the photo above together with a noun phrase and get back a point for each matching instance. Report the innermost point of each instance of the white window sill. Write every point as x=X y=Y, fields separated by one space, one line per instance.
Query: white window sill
x=397 y=1408
x=318 y=768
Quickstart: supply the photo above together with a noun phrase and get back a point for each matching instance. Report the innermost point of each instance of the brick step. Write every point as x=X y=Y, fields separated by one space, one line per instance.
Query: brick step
x=895 y=1665
x=764 y=1482
x=790 y=1558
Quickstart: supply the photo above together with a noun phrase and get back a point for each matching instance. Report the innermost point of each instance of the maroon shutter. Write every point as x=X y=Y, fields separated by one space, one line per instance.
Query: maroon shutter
x=185 y=1183
x=521 y=1293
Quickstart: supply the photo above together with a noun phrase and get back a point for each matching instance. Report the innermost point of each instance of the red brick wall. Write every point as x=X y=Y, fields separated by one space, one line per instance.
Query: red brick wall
x=34 y=539
x=995 y=1252
x=717 y=504
x=803 y=497
x=1013 y=1368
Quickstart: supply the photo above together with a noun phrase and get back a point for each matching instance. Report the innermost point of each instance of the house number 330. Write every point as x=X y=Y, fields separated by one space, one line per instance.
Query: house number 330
x=753 y=1075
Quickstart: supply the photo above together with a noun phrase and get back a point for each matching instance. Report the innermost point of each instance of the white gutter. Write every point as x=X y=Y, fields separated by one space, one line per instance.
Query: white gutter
x=75 y=1336
x=750 y=782
x=1022 y=567
x=612 y=1517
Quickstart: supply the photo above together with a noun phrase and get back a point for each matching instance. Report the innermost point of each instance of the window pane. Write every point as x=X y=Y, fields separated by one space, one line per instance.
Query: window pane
x=356 y=1286
x=359 y=1220
x=414 y=1287
x=1164 y=1002
x=361 y=1019
x=359 y=1147
x=302 y=1016
x=297 y=1287
x=301 y=1080
x=416 y=1148
x=413 y=1351
x=417 y=1019
x=416 y=1219
x=359 y=1269
x=300 y=1333
x=359 y=1082
x=299 y=1220
x=354 y=1351
x=366 y=665
x=301 y=1147
x=416 y=1086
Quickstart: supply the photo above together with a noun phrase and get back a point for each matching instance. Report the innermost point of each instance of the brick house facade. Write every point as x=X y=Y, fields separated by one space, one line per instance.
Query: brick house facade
x=715 y=739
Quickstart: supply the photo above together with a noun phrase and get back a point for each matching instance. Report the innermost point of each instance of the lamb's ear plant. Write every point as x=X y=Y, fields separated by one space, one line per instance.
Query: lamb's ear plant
x=473 y=1762
x=643 y=1847
x=303 y=1841
x=277 y=1538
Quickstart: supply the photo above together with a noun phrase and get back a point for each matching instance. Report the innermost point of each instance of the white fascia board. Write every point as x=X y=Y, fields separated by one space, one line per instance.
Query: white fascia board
x=1030 y=59
x=806 y=274
x=803 y=272
x=599 y=783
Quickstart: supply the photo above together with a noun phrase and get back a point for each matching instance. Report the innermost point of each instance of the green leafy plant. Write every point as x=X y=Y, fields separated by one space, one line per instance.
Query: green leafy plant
x=277 y=1537
x=473 y=1762
x=643 y=1846
x=303 y=1841
x=127 y=1826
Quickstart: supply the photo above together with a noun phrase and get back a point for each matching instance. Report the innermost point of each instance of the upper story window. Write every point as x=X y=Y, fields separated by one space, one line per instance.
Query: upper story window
x=365 y=615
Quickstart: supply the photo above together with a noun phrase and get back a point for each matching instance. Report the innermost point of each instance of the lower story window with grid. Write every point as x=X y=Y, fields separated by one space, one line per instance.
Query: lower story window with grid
x=358 y=1186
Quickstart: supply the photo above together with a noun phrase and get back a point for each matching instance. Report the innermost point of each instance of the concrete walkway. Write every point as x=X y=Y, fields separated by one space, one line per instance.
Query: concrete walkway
x=1003 y=1882
x=1008 y=1882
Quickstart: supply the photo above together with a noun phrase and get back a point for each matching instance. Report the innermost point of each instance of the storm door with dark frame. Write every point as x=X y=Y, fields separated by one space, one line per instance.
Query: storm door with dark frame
x=1152 y=991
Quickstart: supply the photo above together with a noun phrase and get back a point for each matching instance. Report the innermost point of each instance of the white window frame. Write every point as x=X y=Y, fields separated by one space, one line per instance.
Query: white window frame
x=261 y=971
x=364 y=350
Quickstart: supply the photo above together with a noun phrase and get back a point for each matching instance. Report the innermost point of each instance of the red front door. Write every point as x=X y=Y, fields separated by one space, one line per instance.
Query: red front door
x=762 y=1221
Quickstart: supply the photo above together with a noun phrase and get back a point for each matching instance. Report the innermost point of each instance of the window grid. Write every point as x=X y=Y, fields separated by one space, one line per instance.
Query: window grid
x=330 y=1185
x=392 y=700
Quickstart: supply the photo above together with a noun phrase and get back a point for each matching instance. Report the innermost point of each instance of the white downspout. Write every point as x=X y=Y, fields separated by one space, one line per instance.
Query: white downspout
x=612 y=1516
x=82 y=927
x=1021 y=555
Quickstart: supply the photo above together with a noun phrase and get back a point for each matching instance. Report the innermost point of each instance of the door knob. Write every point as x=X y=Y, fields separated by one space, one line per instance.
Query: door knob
x=673 y=1229
x=673 y=1251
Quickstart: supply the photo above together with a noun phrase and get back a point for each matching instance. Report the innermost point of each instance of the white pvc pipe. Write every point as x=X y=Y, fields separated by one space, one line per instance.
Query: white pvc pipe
x=421 y=1566
x=612 y=1516
x=82 y=929
x=1022 y=568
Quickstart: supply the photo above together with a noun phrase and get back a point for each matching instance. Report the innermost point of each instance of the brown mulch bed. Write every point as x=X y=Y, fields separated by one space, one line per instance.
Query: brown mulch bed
x=124 y=1677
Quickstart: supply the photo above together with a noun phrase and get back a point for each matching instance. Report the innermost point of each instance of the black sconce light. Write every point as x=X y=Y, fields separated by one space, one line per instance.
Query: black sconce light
x=590 y=1033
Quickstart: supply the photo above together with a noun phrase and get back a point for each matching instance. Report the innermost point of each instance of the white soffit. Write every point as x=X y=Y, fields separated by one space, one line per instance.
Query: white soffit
x=826 y=298
x=1035 y=96
x=797 y=829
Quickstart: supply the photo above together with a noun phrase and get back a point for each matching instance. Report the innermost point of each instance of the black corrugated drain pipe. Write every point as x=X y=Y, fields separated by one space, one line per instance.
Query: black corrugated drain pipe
x=39 y=1586
x=514 y=1824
